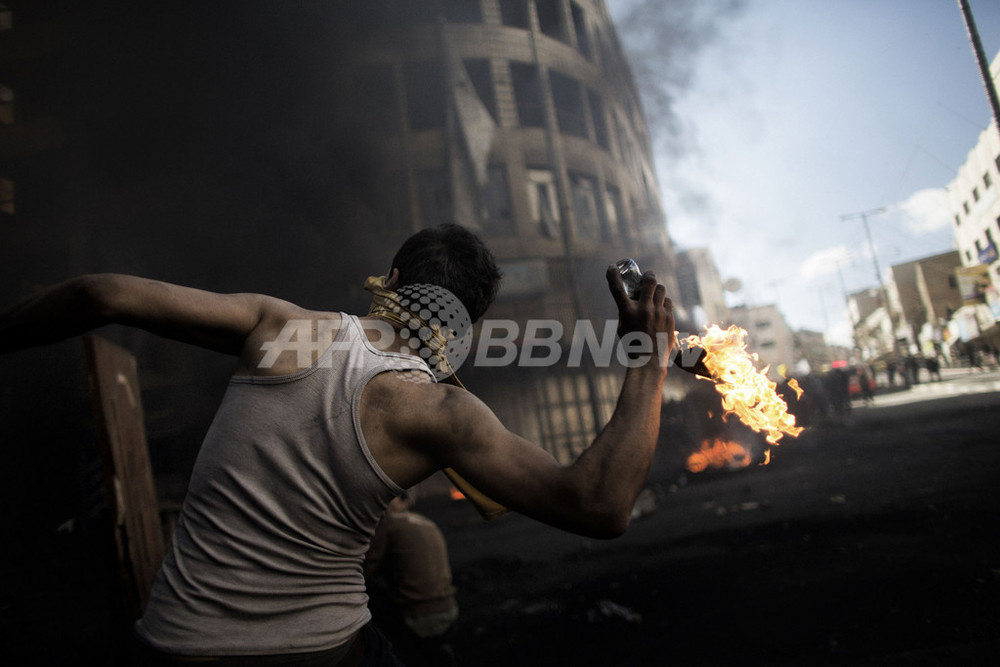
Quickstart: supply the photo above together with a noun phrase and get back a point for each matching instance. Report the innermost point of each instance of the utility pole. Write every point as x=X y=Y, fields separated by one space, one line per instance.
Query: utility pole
x=843 y=285
x=847 y=305
x=878 y=273
x=984 y=65
x=828 y=356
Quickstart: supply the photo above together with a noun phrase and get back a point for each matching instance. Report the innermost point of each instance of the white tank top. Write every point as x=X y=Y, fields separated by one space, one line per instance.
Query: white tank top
x=281 y=507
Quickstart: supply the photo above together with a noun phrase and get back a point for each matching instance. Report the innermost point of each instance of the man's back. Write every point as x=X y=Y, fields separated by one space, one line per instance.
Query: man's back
x=282 y=503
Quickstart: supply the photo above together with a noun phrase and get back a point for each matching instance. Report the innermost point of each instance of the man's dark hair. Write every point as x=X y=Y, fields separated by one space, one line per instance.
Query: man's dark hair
x=454 y=258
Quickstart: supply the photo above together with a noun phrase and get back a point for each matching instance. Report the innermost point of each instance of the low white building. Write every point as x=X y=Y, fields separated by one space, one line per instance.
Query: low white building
x=873 y=330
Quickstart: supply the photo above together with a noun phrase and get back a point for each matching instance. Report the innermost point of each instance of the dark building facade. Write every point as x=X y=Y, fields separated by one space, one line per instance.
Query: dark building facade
x=565 y=186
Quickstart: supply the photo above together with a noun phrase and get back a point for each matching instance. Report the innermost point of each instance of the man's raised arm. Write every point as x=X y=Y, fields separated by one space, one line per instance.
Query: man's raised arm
x=220 y=322
x=594 y=495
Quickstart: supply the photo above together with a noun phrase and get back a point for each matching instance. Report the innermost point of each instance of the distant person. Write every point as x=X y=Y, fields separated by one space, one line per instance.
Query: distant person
x=410 y=553
x=838 y=391
x=933 y=365
x=867 y=385
x=975 y=358
x=312 y=442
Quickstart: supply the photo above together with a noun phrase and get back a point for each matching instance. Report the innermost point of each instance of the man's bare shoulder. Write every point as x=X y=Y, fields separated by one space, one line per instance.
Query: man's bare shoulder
x=401 y=412
x=418 y=407
x=406 y=387
x=285 y=322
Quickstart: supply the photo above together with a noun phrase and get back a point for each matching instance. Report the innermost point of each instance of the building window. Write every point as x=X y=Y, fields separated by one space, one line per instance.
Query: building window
x=543 y=199
x=600 y=121
x=975 y=194
x=7 y=196
x=478 y=70
x=549 y=19
x=462 y=11
x=585 y=206
x=569 y=105
x=615 y=214
x=958 y=220
x=499 y=216
x=425 y=107
x=583 y=43
x=566 y=412
x=528 y=94
x=626 y=148
x=987 y=180
x=514 y=13
x=965 y=207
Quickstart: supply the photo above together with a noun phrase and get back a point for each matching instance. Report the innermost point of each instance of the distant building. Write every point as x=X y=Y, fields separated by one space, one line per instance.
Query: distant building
x=701 y=288
x=811 y=352
x=924 y=293
x=873 y=336
x=768 y=335
x=974 y=204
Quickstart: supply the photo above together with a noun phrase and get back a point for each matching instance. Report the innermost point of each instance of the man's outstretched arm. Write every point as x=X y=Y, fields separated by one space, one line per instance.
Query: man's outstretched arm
x=220 y=322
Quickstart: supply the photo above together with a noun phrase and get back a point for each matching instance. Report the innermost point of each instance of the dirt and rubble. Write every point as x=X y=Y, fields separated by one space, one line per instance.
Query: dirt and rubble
x=874 y=541
x=869 y=542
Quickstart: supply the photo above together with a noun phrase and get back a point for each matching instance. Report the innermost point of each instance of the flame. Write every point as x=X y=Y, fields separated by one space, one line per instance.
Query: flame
x=456 y=494
x=794 y=384
x=746 y=391
x=718 y=453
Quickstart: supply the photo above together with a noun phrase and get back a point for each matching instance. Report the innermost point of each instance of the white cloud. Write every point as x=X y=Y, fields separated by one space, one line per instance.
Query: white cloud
x=824 y=262
x=924 y=211
x=841 y=333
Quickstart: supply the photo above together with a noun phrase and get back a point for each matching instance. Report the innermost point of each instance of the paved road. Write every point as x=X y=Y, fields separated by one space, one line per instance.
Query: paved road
x=954 y=382
x=872 y=542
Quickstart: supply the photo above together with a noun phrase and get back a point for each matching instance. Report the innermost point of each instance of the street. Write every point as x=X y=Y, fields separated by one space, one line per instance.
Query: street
x=870 y=542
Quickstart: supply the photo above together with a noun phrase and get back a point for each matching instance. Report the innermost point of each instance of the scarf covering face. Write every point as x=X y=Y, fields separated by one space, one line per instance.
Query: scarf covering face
x=386 y=304
x=428 y=339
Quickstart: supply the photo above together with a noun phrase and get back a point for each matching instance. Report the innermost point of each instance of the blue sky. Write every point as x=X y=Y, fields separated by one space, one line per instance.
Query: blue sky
x=777 y=117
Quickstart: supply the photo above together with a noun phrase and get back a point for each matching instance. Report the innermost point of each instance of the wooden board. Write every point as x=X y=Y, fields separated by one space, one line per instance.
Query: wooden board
x=128 y=477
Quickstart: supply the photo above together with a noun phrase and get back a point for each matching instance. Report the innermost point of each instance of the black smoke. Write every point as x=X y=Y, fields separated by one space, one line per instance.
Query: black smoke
x=663 y=40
